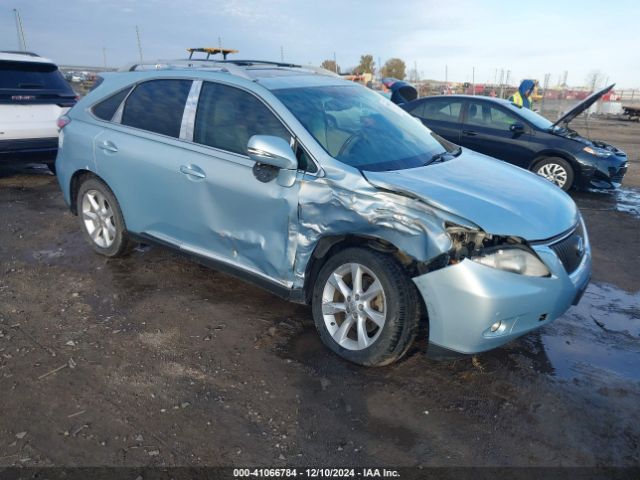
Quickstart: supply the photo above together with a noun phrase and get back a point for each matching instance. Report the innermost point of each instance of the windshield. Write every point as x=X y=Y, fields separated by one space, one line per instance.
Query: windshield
x=361 y=128
x=532 y=117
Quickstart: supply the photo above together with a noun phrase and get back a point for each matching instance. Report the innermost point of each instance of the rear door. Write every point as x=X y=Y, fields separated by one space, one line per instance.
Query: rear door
x=32 y=96
x=487 y=128
x=139 y=154
x=442 y=115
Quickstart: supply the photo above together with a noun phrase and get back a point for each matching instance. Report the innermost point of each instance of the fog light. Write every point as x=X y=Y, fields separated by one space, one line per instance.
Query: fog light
x=496 y=326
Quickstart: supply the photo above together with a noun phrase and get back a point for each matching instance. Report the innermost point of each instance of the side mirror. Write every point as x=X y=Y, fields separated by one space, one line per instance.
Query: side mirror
x=270 y=150
x=517 y=128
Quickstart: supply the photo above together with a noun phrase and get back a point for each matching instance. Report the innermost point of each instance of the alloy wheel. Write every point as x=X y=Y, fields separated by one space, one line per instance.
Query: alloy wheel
x=98 y=218
x=554 y=173
x=354 y=306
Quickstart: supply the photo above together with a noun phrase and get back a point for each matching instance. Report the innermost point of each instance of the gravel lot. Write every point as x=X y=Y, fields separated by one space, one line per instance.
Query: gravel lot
x=155 y=360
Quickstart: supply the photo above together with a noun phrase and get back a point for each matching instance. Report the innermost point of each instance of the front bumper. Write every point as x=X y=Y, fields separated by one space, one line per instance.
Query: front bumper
x=465 y=299
x=605 y=174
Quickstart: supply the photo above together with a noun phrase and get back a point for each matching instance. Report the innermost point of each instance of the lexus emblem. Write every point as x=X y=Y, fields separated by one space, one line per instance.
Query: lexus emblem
x=579 y=246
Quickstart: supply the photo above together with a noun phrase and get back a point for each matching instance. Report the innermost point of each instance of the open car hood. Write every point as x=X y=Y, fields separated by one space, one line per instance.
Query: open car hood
x=582 y=106
x=401 y=92
x=499 y=198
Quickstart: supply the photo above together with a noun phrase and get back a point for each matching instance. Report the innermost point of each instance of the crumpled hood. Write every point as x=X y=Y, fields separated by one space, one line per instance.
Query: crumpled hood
x=498 y=197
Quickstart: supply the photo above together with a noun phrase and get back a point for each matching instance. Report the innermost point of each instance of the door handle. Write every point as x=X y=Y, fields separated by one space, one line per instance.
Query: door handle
x=470 y=133
x=193 y=171
x=108 y=146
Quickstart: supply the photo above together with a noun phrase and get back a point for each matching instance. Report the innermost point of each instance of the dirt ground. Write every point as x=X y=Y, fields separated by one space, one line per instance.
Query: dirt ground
x=155 y=360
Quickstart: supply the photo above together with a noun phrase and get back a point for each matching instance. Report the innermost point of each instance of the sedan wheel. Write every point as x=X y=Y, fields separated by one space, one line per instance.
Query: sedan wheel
x=354 y=306
x=557 y=170
x=554 y=173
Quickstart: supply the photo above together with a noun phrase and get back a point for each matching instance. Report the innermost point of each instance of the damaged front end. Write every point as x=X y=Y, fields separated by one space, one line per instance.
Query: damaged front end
x=495 y=288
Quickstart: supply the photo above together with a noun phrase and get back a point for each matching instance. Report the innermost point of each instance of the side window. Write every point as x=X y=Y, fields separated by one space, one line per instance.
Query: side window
x=107 y=108
x=227 y=117
x=157 y=106
x=418 y=110
x=304 y=160
x=485 y=115
x=442 y=109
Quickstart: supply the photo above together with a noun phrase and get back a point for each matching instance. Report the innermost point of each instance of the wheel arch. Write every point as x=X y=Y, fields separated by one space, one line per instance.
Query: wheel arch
x=74 y=186
x=329 y=245
x=548 y=153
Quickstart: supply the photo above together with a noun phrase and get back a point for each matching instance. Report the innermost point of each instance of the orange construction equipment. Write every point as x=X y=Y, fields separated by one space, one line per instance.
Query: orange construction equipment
x=211 y=51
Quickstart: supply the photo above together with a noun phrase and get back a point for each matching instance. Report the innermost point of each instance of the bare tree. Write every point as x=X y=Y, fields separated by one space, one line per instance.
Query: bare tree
x=330 y=65
x=594 y=80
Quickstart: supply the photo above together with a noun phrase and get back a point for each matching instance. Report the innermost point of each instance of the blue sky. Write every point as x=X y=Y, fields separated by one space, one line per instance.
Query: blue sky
x=527 y=38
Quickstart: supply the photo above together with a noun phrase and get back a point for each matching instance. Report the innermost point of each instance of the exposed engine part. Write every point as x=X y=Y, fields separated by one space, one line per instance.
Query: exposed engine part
x=469 y=243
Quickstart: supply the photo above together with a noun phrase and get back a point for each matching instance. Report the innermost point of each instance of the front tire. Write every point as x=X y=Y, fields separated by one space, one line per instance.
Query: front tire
x=365 y=307
x=557 y=170
x=101 y=219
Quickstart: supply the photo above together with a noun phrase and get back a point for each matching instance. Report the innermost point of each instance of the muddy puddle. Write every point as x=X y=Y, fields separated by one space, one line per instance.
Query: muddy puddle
x=597 y=341
x=626 y=200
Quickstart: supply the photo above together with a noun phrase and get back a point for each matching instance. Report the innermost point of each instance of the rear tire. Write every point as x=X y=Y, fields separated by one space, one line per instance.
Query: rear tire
x=371 y=320
x=557 y=170
x=101 y=219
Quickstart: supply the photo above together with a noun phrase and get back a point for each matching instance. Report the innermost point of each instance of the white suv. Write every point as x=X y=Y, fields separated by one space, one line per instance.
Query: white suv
x=33 y=94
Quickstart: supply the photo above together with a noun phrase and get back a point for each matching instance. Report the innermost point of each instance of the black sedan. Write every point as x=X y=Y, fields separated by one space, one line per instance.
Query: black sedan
x=520 y=136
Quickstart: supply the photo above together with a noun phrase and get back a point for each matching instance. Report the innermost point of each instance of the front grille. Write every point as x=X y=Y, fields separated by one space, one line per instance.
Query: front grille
x=570 y=250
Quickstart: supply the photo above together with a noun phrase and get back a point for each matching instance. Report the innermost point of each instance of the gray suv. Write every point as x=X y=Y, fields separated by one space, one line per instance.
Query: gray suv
x=325 y=193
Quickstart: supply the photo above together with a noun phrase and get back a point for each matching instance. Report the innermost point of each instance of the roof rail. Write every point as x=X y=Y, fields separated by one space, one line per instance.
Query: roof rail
x=188 y=64
x=19 y=52
x=235 y=67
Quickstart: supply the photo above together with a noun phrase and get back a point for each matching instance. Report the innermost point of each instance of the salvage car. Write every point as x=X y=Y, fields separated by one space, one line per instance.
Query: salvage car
x=325 y=193
x=517 y=135
x=33 y=94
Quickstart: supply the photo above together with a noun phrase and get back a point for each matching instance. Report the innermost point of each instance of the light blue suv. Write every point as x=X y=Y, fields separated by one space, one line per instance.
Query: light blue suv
x=325 y=193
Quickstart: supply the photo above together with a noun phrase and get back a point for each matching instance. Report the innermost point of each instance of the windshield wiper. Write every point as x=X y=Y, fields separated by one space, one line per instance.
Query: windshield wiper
x=444 y=156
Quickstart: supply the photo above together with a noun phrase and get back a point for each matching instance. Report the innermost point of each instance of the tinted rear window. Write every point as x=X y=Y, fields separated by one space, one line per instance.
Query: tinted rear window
x=107 y=108
x=31 y=76
x=157 y=106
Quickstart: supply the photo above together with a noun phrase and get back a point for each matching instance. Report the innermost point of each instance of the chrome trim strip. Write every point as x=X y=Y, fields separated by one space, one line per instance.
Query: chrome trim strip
x=189 y=114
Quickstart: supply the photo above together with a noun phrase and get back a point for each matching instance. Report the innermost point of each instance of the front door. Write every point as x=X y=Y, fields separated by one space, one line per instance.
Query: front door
x=487 y=129
x=234 y=216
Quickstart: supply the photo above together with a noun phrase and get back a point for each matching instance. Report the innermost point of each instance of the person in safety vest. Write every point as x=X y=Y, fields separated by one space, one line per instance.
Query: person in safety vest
x=522 y=97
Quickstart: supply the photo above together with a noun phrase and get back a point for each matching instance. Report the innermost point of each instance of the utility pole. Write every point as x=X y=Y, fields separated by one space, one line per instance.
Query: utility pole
x=220 y=43
x=547 y=77
x=22 y=43
x=473 y=80
x=446 y=74
x=104 y=56
x=335 y=63
x=379 y=69
x=501 y=83
x=139 y=44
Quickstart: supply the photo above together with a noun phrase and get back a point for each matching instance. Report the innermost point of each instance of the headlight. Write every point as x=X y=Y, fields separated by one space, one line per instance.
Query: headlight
x=513 y=259
x=598 y=152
